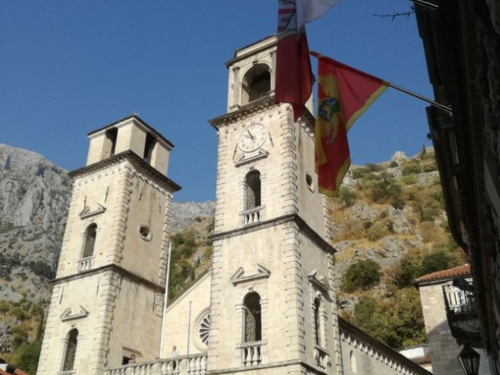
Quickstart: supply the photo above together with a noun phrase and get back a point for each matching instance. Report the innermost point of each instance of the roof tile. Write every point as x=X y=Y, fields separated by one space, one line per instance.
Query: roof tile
x=452 y=273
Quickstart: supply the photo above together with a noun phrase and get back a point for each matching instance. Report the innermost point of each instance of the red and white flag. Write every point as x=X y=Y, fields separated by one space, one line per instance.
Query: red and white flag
x=309 y=10
x=294 y=77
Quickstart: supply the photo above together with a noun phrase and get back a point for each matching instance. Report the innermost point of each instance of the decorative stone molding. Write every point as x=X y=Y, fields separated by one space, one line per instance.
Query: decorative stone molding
x=86 y=213
x=244 y=159
x=318 y=283
x=238 y=277
x=113 y=161
x=71 y=314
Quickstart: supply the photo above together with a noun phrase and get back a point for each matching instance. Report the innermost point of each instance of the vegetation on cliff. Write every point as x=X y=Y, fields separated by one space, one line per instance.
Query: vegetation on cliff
x=390 y=227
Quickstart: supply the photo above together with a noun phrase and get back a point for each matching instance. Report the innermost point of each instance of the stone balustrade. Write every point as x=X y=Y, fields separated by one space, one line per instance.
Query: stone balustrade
x=321 y=357
x=252 y=216
x=85 y=264
x=182 y=365
x=251 y=353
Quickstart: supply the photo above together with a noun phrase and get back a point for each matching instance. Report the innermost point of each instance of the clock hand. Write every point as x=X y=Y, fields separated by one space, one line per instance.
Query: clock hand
x=251 y=136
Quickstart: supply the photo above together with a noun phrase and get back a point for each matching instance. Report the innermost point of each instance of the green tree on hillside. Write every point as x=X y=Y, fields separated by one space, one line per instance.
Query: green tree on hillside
x=360 y=275
x=398 y=323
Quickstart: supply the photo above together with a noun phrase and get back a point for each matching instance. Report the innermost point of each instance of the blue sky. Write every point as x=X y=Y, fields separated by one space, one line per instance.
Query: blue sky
x=69 y=67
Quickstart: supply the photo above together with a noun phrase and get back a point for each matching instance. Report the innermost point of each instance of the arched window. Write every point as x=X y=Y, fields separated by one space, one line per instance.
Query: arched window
x=90 y=235
x=252 y=186
x=317 y=321
x=69 y=357
x=256 y=83
x=253 y=318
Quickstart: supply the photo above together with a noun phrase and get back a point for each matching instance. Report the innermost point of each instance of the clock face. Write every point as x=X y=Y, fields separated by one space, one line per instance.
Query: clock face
x=252 y=137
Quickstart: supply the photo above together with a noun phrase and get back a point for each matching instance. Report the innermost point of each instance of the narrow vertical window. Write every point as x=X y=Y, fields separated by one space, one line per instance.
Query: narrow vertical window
x=69 y=357
x=148 y=148
x=252 y=186
x=253 y=318
x=354 y=365
x=90 y=236
x=317 y=321
x=111 y=135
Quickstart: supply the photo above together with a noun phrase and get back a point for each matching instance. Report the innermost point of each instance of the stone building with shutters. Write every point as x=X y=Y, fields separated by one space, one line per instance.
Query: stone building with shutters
x=265 y=306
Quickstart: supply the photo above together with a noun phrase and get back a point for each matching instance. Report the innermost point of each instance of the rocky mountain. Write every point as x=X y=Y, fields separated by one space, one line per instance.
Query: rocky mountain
x=34 y=200
x=34 y=196
x=183 y=213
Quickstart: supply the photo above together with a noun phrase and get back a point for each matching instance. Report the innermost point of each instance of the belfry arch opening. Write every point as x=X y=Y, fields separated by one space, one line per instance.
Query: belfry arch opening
x=256 y=84
x=90 y=236
x=149 y=148
x=111 y=136
x=253 y=318
x=252 y=190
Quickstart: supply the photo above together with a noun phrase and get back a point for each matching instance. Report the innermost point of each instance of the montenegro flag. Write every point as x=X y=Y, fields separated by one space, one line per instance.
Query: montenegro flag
x=344 y=93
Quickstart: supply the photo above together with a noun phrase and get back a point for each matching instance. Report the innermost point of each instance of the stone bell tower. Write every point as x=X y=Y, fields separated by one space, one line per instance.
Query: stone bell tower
x=108 y=294
x=272 y=305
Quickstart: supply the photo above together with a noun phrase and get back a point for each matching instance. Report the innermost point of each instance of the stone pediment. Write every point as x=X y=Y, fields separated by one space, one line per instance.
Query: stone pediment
x=74 y=313
x=319 y=282
x=86 y=212
x=257 y=155
x=240 y=277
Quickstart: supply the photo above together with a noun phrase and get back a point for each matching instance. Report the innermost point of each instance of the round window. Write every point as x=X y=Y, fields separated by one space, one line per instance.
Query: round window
x=310 y=183
x=145 y=232
x=201 y=329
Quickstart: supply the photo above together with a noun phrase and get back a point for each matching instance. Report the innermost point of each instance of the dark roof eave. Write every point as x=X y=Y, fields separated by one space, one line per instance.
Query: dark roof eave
x=250 y=108
x=254 y=107
x=150 y=128
x=133 y=157
x=237 y=58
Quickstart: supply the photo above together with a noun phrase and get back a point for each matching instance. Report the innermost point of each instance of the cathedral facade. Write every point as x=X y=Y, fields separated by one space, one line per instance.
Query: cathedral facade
x=267 y=303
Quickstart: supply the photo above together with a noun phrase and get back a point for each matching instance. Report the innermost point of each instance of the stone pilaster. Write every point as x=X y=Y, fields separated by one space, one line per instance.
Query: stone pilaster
x=293 y=290
x=288 y=153
x=119 y=220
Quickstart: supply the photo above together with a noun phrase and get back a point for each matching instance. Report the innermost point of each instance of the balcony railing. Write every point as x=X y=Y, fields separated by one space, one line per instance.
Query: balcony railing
x=183 y=365
x=251 y=353
x=252 y=216
x=459 y=304
x=85 y=264
x=321 y=357
x=462 y=313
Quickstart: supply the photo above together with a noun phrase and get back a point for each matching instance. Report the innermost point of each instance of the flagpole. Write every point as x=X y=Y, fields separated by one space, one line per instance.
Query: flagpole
x=399 y=88
x=421 y=97
x=165 y=298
